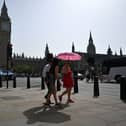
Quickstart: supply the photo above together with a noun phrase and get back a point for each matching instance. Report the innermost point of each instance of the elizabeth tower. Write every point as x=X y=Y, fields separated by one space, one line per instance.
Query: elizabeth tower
x=5 y=35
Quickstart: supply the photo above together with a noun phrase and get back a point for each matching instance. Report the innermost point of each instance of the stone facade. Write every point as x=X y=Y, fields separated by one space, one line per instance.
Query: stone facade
x=5 y=35
x=36 y=64
x=91 y=58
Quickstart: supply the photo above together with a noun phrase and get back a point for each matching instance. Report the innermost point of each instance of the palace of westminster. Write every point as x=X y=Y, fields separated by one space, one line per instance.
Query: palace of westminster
x=36 y=64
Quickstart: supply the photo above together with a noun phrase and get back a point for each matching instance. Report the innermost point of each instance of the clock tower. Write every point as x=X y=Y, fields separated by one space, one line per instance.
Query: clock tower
x=5 y=35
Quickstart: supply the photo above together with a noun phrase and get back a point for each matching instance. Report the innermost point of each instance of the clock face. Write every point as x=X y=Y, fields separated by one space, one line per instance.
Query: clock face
x=5 y=26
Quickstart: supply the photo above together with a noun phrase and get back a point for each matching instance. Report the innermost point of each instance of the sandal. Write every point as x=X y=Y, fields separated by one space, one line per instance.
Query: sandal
x=70 y=101
x=46 y=103
x=60 y=98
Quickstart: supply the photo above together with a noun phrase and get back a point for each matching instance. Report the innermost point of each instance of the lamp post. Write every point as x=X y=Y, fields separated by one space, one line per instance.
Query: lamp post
x=91 y=62
x=7 y=71
x=9 y=56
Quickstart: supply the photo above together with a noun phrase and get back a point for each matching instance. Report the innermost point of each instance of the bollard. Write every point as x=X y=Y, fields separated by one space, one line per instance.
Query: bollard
x=123 y=88
x=96 y=87
x=0 y=82
x=7 y=80
x=42 y=83
x=58 y=85
x=14 y=82
x=28 y=81
x=75 y=83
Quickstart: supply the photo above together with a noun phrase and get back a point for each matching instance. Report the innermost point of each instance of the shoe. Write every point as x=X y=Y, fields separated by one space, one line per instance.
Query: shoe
x=60 y=98
x=45 y=96
x=50 y=102
x=46 y=103
x=57 y=104
x=70 y=101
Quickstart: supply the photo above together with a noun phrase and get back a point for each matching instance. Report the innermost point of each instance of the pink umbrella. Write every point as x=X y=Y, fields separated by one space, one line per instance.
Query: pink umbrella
x=70 y=56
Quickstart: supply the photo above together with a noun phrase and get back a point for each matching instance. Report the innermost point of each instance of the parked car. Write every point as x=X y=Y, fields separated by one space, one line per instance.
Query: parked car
x=5 y=73
x=79 y=76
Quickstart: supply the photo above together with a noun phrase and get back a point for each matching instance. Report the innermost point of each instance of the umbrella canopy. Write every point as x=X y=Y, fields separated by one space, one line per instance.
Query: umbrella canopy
x=70 y=56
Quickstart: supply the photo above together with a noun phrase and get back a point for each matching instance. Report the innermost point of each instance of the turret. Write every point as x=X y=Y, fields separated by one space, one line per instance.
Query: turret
x=73 y=47
x=91 y=47
x=46 y=50
x=109 y=51
x=4 y=13
x=121 y=53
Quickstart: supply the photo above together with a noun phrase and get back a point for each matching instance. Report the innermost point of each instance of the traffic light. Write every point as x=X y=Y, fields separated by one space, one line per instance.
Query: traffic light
x=9 y=51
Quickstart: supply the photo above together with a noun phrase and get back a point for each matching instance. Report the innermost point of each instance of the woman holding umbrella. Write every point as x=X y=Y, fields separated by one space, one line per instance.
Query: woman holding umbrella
x=67 y=82
x=67 y=73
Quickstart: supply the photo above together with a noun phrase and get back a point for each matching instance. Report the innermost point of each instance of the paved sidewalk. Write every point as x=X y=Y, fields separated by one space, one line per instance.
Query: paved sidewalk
x=24 y=107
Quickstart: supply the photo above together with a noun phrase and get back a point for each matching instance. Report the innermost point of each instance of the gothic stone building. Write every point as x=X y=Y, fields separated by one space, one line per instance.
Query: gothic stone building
x=88 y=59
x=24 y=65
x=5 y=39
x=91 y=58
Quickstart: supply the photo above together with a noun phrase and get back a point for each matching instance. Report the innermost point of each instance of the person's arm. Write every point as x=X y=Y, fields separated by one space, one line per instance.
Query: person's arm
x=44 y=72
x=56 y=72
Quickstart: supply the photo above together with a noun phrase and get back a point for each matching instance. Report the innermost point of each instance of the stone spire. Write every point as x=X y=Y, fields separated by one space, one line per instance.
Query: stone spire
x=109 y=51
x=73 y=47
x=115 y=53
x=121 y=53
x=4 y=13
x=46 y=50
x=91 y=47
x=90 y=39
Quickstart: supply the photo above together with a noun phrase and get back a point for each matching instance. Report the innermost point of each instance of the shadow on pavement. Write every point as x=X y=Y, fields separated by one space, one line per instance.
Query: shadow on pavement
x=5 y=90
x=11 y=97
x=46 y=114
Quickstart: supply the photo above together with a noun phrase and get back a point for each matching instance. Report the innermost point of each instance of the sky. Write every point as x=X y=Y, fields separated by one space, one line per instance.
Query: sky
x=61 y=22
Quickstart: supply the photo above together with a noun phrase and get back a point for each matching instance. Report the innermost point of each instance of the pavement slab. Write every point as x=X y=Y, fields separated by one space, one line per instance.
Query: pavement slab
x=24 y=107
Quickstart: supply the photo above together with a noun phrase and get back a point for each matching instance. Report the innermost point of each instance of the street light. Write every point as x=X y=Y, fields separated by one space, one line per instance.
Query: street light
x=9 y=51
x=9 y=56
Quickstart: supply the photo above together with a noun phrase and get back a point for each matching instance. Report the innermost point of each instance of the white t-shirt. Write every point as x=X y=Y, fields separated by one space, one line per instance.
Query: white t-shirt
x=45 y=70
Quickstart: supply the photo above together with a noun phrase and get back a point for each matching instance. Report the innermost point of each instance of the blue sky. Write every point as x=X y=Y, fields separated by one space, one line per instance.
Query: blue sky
x=61 y=22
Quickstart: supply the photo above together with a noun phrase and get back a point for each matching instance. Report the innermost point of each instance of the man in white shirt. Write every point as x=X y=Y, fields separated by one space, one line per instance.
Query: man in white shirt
x=45 y=72
x=45 y=76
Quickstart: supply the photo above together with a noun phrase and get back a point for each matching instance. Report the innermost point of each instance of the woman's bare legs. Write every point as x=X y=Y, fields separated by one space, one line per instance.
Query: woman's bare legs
x=55 y=96
x=60 y=97
x=69 y=96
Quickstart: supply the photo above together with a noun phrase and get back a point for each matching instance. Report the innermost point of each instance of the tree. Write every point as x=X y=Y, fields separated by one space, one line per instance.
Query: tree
x=24 y=68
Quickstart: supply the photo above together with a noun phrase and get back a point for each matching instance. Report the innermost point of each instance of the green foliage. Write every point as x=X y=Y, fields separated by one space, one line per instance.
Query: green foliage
x=23 y=68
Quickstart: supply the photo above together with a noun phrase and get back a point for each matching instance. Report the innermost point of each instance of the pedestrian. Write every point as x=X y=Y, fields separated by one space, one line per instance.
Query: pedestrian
x=53 y=76
x=67 y=82
x=87 y=74
x=45 y=73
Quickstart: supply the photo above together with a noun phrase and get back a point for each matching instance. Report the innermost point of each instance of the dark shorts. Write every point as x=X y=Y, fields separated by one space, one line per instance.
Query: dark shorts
x=51 y=83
